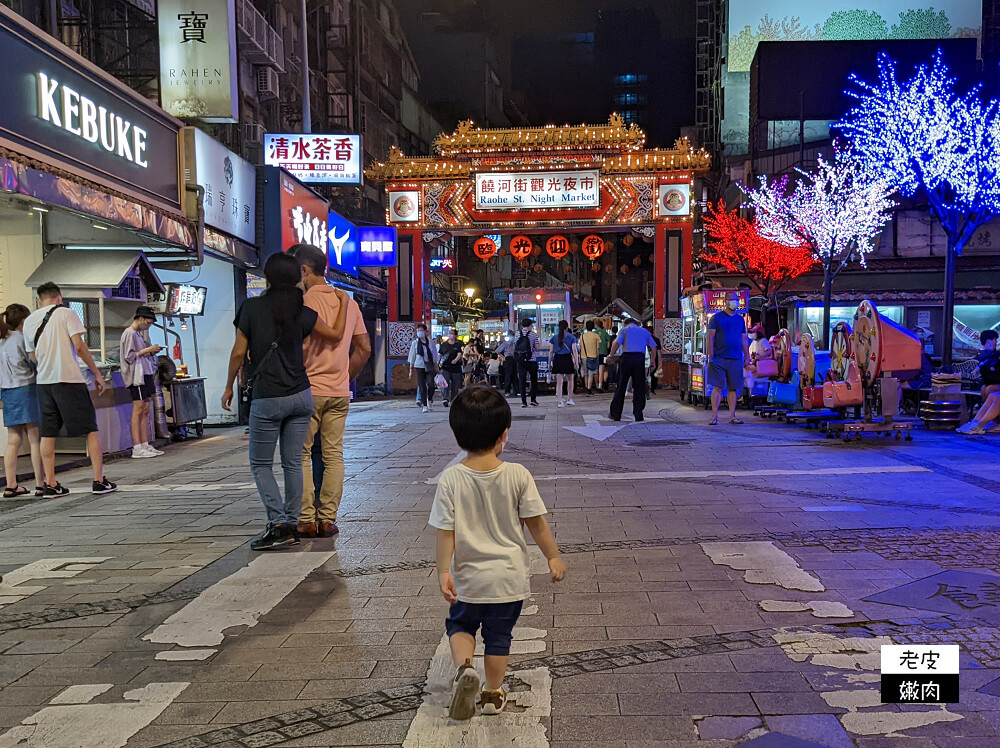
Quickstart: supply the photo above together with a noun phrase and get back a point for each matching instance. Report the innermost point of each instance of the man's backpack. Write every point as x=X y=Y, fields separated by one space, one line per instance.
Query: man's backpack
x=522 y=349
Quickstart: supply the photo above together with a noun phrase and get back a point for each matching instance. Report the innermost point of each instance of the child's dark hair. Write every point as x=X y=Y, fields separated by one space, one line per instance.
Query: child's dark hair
x=478 y=418
x=987 y=335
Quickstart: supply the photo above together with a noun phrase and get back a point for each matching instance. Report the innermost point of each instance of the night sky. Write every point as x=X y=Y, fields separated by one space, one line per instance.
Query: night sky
x=544 y=44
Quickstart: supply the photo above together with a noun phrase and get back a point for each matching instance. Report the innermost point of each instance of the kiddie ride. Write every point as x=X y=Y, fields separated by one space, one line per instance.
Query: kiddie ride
x=859 y=373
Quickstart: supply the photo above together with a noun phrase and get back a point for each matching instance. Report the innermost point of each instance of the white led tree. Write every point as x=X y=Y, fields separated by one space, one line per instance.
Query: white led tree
x=835 y=211
x=928 y=140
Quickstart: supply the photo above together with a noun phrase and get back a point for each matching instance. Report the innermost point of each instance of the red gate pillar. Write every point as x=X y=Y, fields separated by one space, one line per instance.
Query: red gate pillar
x=661 y=270
x=406 y=280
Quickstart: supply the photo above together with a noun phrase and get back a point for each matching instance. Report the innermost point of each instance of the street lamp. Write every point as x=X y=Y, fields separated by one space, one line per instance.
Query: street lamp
x=470 y=292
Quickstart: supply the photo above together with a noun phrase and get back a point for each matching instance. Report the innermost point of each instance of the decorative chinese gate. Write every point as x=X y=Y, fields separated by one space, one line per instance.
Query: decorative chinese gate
x=549 y=180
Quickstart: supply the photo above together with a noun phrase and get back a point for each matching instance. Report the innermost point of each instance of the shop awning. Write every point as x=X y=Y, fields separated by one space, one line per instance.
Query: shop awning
x=92 y=270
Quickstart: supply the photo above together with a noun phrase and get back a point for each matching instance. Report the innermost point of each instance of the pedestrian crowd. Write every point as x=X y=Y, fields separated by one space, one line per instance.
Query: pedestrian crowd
x=597 y=359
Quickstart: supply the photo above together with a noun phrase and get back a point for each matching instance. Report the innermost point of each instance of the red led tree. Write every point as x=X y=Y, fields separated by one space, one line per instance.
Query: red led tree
x=735 y=244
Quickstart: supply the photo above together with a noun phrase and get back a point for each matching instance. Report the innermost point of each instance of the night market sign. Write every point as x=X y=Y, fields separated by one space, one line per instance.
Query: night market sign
x=520 y=190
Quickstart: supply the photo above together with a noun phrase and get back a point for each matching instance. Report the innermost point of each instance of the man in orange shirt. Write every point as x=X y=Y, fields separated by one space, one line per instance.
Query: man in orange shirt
x=330 y=369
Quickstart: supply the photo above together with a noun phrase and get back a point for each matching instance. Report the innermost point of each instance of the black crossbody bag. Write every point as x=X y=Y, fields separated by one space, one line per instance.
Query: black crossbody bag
x=247 y=392
x=41 y=327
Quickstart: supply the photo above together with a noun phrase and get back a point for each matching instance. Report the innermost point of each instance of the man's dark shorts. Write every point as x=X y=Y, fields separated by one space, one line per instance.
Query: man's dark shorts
x=726 y=374
x=497 y=620
x=66 y=405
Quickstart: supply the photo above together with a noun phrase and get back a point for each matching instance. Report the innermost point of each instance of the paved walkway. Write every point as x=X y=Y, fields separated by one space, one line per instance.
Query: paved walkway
x=727 y=586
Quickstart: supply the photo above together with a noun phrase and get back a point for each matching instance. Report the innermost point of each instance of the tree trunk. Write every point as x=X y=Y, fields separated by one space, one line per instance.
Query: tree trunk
x=824 y=343
x=948 y=337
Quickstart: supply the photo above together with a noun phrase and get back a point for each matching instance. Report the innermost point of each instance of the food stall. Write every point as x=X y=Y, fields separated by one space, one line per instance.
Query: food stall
x=697 y=309
x=103 y=287
x=183 y=396
x=547 y=306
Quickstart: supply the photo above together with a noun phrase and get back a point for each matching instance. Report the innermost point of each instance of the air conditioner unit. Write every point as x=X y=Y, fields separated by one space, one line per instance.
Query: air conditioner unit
x=253 y=134
x=267 y=84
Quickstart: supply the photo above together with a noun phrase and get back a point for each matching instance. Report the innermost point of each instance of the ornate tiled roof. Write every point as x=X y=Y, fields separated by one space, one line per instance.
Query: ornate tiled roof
x=613 y=148
x=470 y=140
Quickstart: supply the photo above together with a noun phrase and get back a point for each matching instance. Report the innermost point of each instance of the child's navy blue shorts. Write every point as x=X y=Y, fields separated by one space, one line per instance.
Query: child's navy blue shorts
x=497 y=620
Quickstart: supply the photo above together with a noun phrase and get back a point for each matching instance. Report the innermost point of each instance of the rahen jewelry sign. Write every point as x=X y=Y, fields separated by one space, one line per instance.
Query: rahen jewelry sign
x=198 y=59
x=521 y=190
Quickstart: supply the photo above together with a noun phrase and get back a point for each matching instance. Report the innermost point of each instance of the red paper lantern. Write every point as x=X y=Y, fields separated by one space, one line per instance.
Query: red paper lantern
x=538 y=267
x=627 y=241
x=596 y=267
x=593 y=247
x=520 y=247
x=501 y=253
x=574 y=247
x=637 y=261
x=484 y=248
x=624 y=269
x=557 y=246
x=608 y=268
x=536 y=251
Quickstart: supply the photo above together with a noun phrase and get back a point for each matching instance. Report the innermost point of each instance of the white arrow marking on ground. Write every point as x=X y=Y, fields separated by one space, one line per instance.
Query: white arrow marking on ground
x=520 y=725
x=682 y=474
x=13 y=587
x=238 y=600
x=594 y=430
x=93 y=725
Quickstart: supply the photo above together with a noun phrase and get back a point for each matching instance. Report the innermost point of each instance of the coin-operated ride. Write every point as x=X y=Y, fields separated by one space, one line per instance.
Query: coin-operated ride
x=783 y=393
x=813 y=368
x=881 y=353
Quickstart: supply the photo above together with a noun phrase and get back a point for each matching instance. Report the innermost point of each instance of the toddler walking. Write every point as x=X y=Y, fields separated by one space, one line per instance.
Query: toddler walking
x=482 y=558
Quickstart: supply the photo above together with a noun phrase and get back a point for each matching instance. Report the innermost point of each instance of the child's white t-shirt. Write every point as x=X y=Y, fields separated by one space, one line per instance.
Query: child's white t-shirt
x=485 y=510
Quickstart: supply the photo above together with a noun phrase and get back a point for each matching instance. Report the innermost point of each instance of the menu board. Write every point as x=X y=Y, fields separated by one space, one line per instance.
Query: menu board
x=186 y=300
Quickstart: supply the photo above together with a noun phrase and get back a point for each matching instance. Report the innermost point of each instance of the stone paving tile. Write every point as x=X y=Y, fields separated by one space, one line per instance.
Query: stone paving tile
x=615 y=544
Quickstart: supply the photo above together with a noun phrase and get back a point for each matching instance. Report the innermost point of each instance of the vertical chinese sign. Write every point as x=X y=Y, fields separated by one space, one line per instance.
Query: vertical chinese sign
x=198 y=59
x=316 y=158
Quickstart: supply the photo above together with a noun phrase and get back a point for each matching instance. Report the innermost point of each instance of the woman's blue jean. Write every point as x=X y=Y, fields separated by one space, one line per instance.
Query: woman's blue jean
x=284 y=420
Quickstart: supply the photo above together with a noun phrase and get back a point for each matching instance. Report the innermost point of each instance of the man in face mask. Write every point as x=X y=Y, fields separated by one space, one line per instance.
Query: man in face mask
x=450 y=360
x=728 y=356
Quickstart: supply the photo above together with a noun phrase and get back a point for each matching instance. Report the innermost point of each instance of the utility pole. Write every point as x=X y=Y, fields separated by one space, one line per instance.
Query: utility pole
x=306 y=103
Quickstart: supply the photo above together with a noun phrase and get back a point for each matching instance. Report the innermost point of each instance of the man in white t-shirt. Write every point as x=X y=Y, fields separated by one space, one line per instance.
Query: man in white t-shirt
x=55 y=337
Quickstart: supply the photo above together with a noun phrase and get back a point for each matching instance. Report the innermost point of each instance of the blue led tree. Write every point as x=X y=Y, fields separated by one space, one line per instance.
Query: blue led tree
x=929 y=140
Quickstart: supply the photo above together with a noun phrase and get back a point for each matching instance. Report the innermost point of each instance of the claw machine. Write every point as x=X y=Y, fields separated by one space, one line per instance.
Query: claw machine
x=697 y=309
x=547 y=306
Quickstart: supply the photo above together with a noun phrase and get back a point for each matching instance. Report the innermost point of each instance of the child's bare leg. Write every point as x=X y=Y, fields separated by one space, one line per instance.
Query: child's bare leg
x=463 y=647
x=496 y=670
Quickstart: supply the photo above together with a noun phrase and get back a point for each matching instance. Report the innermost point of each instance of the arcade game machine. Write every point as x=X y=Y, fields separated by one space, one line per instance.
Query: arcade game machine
x=697 y=309
x=547 y=306
x=882 y=353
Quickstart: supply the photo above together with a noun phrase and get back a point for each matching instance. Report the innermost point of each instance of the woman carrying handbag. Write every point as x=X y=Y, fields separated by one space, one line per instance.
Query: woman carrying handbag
x=422 y=358
x=21 y=414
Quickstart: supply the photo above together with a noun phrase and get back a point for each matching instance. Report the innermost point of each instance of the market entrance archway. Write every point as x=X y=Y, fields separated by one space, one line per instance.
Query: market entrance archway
x=570 y=181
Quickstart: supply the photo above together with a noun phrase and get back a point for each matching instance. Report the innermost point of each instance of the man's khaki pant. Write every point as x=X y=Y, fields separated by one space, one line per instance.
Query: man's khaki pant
x=329 y=418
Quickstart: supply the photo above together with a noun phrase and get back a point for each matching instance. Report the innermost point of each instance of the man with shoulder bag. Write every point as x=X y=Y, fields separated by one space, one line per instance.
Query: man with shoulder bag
x=54 y=334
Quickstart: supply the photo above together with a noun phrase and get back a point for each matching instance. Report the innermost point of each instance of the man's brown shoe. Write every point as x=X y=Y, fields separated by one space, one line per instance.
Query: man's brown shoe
x=308 y=529
x=327 y=528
